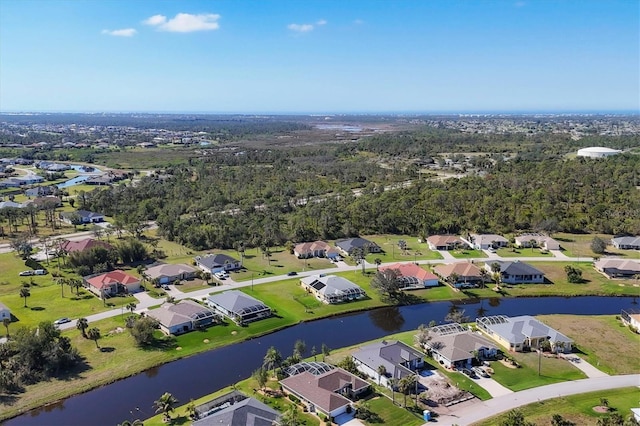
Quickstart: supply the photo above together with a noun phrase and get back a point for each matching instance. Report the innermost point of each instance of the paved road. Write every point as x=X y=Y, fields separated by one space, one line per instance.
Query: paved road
x=476 y=412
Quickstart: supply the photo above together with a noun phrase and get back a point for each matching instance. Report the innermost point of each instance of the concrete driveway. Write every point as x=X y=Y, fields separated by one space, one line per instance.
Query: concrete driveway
x=494 y=388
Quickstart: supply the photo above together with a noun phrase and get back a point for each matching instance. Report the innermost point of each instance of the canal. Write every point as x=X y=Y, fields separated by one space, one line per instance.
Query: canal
x=201 y=374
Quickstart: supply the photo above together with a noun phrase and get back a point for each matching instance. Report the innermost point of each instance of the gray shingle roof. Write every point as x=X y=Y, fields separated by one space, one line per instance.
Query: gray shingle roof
x=390 y=355
x=248 y=412
x=517 y=268
x=237 y=302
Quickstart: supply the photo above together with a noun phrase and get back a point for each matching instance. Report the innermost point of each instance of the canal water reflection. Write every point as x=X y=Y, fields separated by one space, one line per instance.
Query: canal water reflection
x=201 y=374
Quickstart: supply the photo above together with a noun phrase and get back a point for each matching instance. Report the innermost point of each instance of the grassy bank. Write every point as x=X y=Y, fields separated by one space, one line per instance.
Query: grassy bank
x=575 y=408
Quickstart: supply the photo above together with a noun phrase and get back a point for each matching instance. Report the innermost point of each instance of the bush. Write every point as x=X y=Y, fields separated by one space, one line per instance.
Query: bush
x=294 y=398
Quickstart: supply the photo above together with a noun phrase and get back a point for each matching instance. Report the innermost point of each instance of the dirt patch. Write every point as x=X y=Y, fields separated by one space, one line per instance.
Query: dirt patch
x=601 y=409
x=507 y=364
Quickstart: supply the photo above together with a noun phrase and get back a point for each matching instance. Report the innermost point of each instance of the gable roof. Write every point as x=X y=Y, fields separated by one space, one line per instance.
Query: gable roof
x=411 y=270
x=311 y=247
x=321 y=390
x=84 y=214
x=626 y=266
x=627 y=241
x=516 y=268
x=85 y=244
x=462 y=269
x=237 y=302
x=248 y=412
x=390 y=354
x=112 y=277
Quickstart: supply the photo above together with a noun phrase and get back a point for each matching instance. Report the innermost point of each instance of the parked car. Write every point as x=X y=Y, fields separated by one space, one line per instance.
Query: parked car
x=292 y=273
x=165 y=287
x=40 y=272
x=481 y=372
x=221 y=275
x=469 y=373
x=62 y=321
x=26 y=273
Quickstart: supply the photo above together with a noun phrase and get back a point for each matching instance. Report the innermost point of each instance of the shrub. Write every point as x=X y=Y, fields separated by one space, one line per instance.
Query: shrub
x=294 y=398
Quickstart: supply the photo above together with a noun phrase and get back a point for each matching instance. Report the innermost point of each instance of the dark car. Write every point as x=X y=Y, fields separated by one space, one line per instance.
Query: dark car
x=62 y=321
x=469 y=373
x=292 y=273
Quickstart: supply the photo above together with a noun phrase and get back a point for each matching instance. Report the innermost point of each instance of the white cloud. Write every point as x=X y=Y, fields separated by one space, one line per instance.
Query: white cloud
x=321 y=22
x=300 y=28
x=125 y=32
x=155 y=20
x=185 y=22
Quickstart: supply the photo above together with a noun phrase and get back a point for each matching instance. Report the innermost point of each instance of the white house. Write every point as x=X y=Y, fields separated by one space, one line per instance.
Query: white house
x=332 y=289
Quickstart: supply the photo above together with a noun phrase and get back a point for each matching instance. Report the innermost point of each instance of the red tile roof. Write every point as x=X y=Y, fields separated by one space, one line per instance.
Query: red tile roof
x=112 y=277
x=411 y=270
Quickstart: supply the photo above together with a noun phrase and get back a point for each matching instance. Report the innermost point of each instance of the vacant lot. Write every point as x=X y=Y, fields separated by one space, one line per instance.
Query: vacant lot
x=602 y=340
x=575 y=408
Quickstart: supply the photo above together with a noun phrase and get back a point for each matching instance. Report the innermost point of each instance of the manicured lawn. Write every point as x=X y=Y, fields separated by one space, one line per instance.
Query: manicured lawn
x=393 y=414
x=392 y=253
x=579 y=245
x=575 y=408
x=588 y=332
x=467 y=254
x=552 y=370
x=522 y=252
x=280 y=263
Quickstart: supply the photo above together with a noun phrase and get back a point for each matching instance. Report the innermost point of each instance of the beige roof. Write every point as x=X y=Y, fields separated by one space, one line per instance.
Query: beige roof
x=460 y=346
x=169 y=270
x=439 y=240
x=462 y=269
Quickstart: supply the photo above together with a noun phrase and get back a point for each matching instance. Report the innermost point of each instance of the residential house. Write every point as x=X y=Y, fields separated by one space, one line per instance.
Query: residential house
x=182 y=317
x=314 y=249
x=332 y=289
x=84 y=216
x=330 y=393
x=5 y=312
x=626 y=243
x=523 y=333
x=486 y=241
x=168 y=273
x=235 y=408
x=112 y=283
x=413 y=276
x=84 y=244
x=398 y=359
x=460 y=274
x=618 y=268
x=455 y=346
x=213 y=263
x=348 y=245
x=516 y=272
x=536 y=240
x=238 y=306
x=40 y=191
x=445 y=242
x=631 y=318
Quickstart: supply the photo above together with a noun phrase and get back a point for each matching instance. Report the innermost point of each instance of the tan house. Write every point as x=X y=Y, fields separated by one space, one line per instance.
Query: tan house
x=314 y=249
x=536 y=240
x=445 y=242
x=460 y=275
x=112 y=283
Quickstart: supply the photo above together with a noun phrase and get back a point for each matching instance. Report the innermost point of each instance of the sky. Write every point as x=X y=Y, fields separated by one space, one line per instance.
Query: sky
x=311 y=56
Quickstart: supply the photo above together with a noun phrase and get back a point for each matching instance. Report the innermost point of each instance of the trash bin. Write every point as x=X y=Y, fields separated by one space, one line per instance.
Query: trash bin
x=426 y=415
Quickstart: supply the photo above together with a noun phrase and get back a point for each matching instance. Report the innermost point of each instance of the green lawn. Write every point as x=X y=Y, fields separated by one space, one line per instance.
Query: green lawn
x=552 y=370
x=392 y=253
x=521 y=252
x=575 y=408
x=587 y=332
x=393 y=414
x=467 y=254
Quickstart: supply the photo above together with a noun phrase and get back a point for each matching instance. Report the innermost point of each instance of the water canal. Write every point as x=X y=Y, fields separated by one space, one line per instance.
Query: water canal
x=201 y=374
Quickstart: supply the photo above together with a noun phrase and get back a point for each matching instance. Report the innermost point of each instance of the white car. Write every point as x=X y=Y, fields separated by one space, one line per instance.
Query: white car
x=40 y=272
x=221 y=275
x=62 y=321
x=27 y=273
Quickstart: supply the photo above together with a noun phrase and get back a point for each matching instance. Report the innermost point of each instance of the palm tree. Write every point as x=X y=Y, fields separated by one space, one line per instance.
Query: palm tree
x=406 y=384
x=6 y=322
x=82 y=324
x=299 y=348
x=392 y=383
x=272 y=359
x=75 y=283
x=382 y=370
x=191 y=410
x=131 y=307
x=165 y=405
x=290 y=417
x=94 y=334
x=325 y=351
x=136 y=422
x=61 y=282
x=24 y=292
x=378 y=263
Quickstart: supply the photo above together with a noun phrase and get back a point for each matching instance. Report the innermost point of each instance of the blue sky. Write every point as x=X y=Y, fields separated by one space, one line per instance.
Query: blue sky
x=306 y=56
